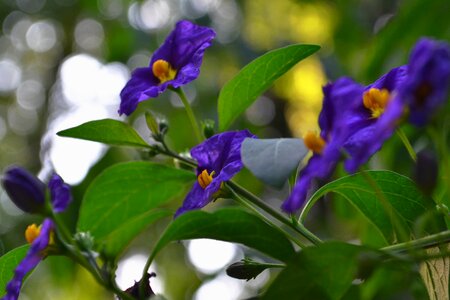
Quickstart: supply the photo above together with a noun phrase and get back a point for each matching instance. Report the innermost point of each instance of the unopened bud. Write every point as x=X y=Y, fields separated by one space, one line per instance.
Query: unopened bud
x=152 y=124
x=85 y=240
x=245 y=270
x=163 y=125
x=24 y=189
x=208 y=128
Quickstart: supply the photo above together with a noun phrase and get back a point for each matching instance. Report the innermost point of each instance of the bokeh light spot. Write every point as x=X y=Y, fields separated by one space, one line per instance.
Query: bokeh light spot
x=41 y=36
x=209 y=256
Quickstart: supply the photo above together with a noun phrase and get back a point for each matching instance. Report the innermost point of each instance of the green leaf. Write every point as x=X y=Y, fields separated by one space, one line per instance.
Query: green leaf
x=240 y=92
x=231 y=225
x=107 y=131
x=272 y=160
x=126 y=198
x=407 y=202
x=321 y=272
x=8 y=264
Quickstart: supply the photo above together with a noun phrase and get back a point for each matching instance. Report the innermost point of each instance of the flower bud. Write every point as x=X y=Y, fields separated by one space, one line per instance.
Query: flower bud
x=163 y=125
x=245 y=270
x=24 y=189
x=85 y=240
x=152 y=124
x=208 y=128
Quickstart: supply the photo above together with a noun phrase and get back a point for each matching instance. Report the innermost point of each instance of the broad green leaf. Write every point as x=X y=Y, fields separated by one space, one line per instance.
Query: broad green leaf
x=321 y=272
x=240 y=92
x=8 y=264
x=126 y=198
x=107 y=131
x=231 y=225
x=407 y=202
x=272 y=160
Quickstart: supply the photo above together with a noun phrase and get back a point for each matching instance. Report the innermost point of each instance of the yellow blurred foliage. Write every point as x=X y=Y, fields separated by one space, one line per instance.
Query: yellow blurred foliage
x=310 y=23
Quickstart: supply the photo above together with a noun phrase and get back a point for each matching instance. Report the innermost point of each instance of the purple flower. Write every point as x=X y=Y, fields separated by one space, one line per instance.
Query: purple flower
x=358 y=120
x=419 y=88
x=28 y=192
x=24 y=189
x=177 y=62
x=219 y=159
x=34 y=255
x=378 y=107
x=428 y=80
x=337 y=120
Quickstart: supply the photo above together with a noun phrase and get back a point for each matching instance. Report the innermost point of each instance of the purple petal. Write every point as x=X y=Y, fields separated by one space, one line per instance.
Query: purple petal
x=142 y=85
x=30 y=261
x=391 y=80
x=195 y=199
x=185 y=45
x=371 y=133
x=60 y=193
x=24 y=189
x=341 y=110
x=297 y=198
x=220 y=153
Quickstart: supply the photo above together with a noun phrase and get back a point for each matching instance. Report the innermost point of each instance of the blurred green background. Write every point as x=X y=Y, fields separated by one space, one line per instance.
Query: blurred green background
x=64 y=62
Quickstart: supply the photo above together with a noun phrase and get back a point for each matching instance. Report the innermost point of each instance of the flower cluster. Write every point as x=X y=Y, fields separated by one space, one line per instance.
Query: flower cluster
x=28 y=193
x=357 y=120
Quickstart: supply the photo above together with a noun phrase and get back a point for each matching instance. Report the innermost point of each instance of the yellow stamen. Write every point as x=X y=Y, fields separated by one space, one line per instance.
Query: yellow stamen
x=376 y=101
x=204 y=179
x=32 y=232
x=314 y=142
x=163 y=70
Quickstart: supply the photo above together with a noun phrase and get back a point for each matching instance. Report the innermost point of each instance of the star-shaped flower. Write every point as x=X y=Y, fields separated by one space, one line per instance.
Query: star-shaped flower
x=176 y=63
x=219 y=159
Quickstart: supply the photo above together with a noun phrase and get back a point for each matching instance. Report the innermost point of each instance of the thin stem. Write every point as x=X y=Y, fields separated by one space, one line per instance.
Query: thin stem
x=246 y=204
x=425 y=242
x=407 y=144
x=259 y=203
x=397 y=225
x=189 y=113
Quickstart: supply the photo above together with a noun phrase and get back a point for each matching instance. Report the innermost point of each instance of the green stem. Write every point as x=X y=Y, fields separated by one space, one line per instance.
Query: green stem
x=257 y=212
x=88 y=263
x=62 y=229
x=259 y=203
x=393 y=215
x=425 y=242
x=407 y=144
x=189 y=113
